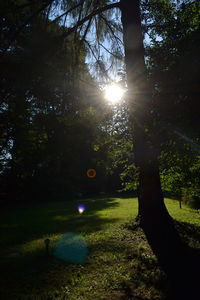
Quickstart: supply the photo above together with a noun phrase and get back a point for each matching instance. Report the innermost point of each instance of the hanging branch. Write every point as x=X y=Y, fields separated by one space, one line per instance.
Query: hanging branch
x=71 y=30
x=88 y=17
x=93 y=53
x=103 y=70
x=111 y=30
x=86 y=30
x=106 y=49
x=67 y=12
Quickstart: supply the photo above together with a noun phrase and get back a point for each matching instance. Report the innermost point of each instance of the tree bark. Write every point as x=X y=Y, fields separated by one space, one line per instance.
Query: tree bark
x=151 y=203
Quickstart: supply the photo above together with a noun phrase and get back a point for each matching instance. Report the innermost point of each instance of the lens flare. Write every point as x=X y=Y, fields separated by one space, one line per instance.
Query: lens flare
x=71 y=247
x=81 y=208
x=91 y=173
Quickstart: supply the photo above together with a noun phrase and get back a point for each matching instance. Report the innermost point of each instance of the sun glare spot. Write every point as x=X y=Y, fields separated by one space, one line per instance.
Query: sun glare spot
x=114 y=93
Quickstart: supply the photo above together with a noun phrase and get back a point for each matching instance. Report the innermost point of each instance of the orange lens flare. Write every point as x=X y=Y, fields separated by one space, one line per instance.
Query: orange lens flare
x=91 y=173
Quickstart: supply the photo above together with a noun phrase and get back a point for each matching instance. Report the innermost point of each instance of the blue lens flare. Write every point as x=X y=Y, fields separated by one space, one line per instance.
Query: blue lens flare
x=71 y=248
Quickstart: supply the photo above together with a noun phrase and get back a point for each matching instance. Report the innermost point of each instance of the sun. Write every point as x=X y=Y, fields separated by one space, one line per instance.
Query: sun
x=114 y=93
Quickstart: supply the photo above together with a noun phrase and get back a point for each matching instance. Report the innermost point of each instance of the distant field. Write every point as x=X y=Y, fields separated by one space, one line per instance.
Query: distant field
x=119 y=264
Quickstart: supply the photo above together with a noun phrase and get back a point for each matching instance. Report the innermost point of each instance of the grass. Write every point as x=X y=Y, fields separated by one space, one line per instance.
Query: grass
x=120 y=263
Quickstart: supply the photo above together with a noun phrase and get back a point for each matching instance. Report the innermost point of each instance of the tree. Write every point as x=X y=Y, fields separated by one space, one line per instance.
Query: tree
x=155 y=220
x=49 y=113
x=173 y=64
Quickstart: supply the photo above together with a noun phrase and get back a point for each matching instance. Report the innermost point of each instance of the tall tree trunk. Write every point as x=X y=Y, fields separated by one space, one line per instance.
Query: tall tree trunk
x=155 y=219
x=151 y=203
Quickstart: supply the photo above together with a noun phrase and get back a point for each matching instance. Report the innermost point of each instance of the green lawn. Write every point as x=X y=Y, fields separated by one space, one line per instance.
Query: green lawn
x=120 y=262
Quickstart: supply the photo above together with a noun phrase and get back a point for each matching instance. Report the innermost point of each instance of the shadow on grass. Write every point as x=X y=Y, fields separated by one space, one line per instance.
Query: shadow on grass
x=44 y=277
x=184 y=281
x=36 y=276
x=37 y=222
x=190 y=233
x=181 y=278
x=178 y=254
x=40 y=220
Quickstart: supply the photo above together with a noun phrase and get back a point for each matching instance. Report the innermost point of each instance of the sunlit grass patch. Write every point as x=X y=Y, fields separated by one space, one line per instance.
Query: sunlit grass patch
x=120 y=263
x=184 y=214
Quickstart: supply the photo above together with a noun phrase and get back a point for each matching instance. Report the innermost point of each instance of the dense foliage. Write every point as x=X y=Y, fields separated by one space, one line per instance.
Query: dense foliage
x=174 y=71
x=51 y=113
x=54 y=123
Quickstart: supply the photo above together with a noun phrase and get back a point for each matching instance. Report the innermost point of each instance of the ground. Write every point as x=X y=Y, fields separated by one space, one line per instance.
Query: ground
x=119 y=265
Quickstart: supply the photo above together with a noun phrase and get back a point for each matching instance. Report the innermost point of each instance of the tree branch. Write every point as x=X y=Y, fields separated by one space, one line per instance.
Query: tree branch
x=106 y=49
x=86 y=30
x=67 y=12
x=92 y=14
x=71 y=30
x=111 y=30
x=104 y=71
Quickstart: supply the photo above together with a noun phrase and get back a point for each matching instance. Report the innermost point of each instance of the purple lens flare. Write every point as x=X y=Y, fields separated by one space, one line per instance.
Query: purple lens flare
x=81 y=208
